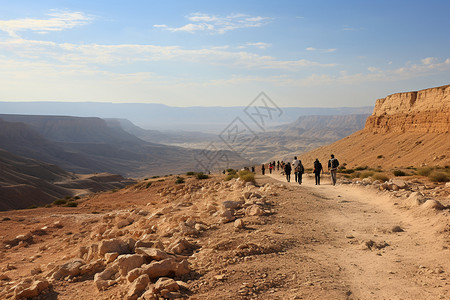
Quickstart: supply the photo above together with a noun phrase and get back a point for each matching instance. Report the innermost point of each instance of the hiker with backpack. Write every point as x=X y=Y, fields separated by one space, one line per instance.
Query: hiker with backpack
x=333 y=165
x=263 y=169
x=287 y=171
x=317 y=169
x=299 y=172
x=295 y=167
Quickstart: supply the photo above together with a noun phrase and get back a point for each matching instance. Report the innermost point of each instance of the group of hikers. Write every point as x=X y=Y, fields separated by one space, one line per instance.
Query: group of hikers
x=297 y=167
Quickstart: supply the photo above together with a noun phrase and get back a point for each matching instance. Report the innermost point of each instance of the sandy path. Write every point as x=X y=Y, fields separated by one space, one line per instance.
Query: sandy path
x=375 y=262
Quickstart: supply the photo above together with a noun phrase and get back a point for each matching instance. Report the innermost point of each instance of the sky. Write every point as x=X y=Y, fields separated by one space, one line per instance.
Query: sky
x=222 y=53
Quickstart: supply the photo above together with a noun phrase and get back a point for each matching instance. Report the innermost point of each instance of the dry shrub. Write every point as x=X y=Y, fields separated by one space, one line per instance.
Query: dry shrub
x=366 y=174
x=247 y=176
x=439 y=176
x=380 y=177
x=425 y=171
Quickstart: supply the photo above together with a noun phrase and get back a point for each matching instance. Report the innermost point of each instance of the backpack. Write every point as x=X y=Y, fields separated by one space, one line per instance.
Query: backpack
x=334 y=163
x=299 y=168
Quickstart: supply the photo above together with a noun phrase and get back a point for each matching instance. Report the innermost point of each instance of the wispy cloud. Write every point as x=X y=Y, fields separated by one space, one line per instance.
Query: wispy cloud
x=321 y=50
x=56 y=21
x=97 y=54
x=259 y=45
x=201 y=22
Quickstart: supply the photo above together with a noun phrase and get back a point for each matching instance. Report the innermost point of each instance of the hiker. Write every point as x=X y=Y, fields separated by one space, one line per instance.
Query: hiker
x=299 y=170
x=270 y=168
x=263 y=169
x=333 y=164
x=253 y=169
x=317 y=169
x=278 y=165
x=295 y=167
x=287 y=171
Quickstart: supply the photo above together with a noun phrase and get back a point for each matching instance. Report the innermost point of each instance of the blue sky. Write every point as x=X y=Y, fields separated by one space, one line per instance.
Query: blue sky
x=211 y=53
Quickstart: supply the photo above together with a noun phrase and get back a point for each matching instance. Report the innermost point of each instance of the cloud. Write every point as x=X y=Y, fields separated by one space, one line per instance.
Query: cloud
x=102 y=55
x=57 y=21
x=321 y=50
x=201 y=22
x=259 y=45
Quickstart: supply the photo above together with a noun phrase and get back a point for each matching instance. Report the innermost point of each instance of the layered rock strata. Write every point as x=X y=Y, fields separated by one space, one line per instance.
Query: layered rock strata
x=425 y=111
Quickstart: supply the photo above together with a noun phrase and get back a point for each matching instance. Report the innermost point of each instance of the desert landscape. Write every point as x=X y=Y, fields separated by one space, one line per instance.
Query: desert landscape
x=244 y=236
x=139 y=143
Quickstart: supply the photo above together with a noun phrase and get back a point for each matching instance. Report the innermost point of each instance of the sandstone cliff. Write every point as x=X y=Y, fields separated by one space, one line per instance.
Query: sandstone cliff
x=405 y=129
x=425 y=111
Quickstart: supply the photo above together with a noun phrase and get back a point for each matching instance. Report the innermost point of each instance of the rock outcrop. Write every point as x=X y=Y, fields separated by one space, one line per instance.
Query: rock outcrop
x=405 y=129
x=425 y=111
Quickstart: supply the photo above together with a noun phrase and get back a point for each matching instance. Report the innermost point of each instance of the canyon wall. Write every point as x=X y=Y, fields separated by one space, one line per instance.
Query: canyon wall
x=425 y=111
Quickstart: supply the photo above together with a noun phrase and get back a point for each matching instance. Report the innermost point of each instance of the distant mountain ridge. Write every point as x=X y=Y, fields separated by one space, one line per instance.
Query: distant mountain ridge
x=89 y=145
x=163 y=117
x=25 y=182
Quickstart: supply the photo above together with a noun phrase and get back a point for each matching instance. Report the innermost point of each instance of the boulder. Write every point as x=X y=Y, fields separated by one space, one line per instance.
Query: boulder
x=128 y=262
x=254 y=210
x=105 y=279
x=138 y=287
x=239 y=223
x=180 y=246
x=432 y=204
x=116 y=245
x=168 y=266
x=400 y=183
x=33 y=290
x=70 y=268
x=110 y=257
x=153 y=253
x=227 y=216
x=232 y=204
x=165 y=283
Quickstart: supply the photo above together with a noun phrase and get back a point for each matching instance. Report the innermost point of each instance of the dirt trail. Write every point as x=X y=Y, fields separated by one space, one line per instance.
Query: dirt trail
x=374 y=261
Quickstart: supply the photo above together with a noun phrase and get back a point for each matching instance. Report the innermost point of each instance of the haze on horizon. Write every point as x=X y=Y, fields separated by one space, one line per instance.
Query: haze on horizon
x=208 y=53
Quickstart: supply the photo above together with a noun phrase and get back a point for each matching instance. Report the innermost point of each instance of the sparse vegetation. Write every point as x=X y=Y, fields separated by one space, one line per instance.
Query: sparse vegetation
x=114 y=190
x=155 y=177
x=71 y=204
x=366 y=174
x=361 y=168
x=32 y=206
x=202 y=176
x=346 y=171
x=231 y=170
x=190 y=173
x=439 y=176
x=247 y=176
x=148 y=185
x=398 y=173
x=160 y=180
x=380 y=156
x=424 y=171
x=179 y=180
x=77 y=198
x=381 y=177
x=60 y=202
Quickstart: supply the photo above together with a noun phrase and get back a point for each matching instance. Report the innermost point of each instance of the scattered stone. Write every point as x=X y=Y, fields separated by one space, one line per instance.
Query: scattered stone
x=432 y=204
x=153 y=253
x=71 y=269
x=397 y=229
x=30 y=290
x=128 y=262
x=116 y=245
x=239 y=223
x=110 y=257
x=254 y=210
x=138 y=287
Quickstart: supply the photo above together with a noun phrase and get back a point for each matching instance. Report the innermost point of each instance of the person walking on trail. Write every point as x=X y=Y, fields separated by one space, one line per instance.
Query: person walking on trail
x=287 y=171
x=295 y=163
x=333 y=164
x=299 y=170
x=317 y=169
x=263 y=169
x=270 y=168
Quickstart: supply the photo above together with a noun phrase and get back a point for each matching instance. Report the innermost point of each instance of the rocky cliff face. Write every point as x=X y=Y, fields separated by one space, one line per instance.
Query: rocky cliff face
x=425 y=111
